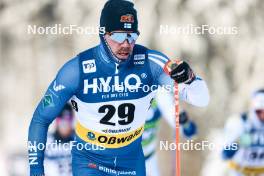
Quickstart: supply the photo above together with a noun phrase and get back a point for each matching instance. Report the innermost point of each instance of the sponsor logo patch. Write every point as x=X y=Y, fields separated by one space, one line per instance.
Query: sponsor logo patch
x=89 y=66
x=92 y=165
x=115 y=140
x=91 y=136
x=111 y=170
x=112 y=84
x=47 y=100
x=139 y=59
x=128 y=18
x=58 y=87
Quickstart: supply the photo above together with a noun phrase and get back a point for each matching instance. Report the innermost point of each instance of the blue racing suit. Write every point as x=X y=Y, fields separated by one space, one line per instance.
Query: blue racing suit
x=111 y=100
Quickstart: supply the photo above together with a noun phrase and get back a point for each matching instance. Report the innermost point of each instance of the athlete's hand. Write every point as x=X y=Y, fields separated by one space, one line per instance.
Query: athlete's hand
x=189 y=127
x=180 y=71
x=184 y=118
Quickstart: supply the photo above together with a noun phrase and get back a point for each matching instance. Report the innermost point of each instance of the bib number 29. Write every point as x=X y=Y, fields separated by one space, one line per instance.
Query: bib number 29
x=125 y=113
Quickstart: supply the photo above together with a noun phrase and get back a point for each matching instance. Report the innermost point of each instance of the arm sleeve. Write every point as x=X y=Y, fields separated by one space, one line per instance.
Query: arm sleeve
x=195 y=93
x=62 y=88
x=189 y=129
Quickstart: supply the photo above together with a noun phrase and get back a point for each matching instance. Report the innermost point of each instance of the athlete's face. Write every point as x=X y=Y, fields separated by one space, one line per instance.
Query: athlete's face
x=120 y=50
x=260 y=114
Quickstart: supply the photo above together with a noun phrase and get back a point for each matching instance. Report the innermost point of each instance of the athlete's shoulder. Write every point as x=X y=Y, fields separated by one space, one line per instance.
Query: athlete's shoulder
x=137 y=46
x=157 y=58
x=68 y=75
x=70 y=66
x=150 y=52
x=75 y=65
x=157 y=54
x=87 y=53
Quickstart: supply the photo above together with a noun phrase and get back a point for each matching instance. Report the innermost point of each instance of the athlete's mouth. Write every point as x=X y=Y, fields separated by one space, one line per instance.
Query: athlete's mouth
x=123 y=53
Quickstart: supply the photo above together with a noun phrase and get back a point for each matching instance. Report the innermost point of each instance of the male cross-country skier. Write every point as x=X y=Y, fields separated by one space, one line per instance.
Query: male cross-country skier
x=111 y=87
x=159 y=110
x=58 y=160
x=244 y=148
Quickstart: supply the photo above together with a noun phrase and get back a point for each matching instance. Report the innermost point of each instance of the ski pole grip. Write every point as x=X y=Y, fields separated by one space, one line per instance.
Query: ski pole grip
x=171 y=65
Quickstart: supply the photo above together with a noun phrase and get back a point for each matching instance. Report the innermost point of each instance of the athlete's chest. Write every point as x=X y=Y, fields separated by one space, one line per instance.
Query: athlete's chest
x=103 y=82
x=254 y=154
x=257 y=138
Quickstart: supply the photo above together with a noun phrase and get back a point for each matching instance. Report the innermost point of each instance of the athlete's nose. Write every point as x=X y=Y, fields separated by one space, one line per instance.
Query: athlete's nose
x=126 y=43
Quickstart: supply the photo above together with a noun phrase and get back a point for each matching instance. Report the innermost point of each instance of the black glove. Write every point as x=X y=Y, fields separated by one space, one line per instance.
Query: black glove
x=182 y=73
x=184 y=118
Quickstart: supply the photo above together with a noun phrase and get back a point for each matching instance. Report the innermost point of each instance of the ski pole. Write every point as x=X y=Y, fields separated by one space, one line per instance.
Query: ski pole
x=177 y=129
x=167 y=69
